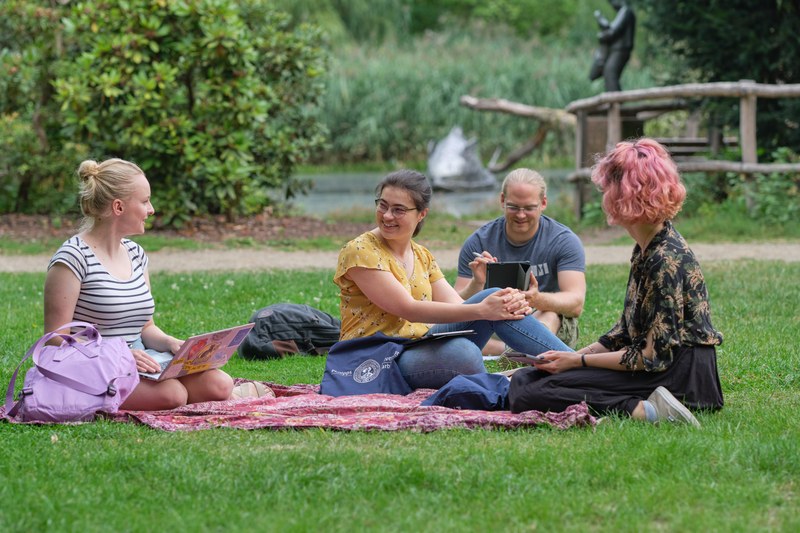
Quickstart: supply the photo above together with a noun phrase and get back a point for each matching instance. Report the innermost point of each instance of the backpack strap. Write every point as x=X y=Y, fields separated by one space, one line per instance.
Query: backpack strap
x=111 y=390
x=11 y=406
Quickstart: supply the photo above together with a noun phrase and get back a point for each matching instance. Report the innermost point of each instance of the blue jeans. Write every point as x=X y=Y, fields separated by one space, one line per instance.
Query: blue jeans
x=434 y=363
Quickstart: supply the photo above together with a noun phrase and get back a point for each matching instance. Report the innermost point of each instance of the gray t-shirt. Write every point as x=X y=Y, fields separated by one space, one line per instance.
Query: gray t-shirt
x=552 y=249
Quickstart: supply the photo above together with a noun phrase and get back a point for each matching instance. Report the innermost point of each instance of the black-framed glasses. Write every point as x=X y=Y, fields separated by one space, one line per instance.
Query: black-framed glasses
x=398 y=211
x=514 y=209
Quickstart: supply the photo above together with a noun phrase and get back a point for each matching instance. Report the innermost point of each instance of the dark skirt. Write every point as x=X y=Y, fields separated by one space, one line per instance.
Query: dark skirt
x=692 y=378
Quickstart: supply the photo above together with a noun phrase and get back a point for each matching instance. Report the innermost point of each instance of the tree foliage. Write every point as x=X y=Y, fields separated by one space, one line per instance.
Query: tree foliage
x=347 y=21
x=212 y=98
x=733 y=40
x=376 y=21
x=34 y=157
x=526 y=17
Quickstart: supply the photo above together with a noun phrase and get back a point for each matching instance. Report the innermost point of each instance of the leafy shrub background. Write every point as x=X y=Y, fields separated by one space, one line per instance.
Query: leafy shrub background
x=212 y=98
x=35 y=158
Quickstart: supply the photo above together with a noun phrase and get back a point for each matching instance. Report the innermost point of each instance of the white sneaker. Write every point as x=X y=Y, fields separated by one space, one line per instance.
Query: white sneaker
x=670 y=409
x=251 y=389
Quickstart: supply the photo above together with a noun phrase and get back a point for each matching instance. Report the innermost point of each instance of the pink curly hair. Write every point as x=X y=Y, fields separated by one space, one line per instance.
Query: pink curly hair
x=639 y=182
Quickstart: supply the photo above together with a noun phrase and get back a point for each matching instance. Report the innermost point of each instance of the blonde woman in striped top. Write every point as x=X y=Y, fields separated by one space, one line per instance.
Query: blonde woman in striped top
x=100 y=276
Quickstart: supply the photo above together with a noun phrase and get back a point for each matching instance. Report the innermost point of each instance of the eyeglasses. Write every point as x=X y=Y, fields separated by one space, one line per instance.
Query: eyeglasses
x=398 y=211
x=514 y=209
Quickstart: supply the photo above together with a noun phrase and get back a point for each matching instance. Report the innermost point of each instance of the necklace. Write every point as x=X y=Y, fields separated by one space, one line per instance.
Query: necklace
x=401 y=261
x=398 y=258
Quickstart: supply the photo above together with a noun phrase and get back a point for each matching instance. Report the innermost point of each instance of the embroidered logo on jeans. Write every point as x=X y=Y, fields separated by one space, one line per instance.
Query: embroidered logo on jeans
x=366 y=371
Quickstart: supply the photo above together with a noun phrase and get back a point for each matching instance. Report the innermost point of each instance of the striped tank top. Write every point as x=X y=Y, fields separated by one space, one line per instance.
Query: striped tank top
x=118 y=307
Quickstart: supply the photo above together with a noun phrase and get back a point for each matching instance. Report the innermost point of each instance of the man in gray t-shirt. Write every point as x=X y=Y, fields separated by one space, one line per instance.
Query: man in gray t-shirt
x=558 y=282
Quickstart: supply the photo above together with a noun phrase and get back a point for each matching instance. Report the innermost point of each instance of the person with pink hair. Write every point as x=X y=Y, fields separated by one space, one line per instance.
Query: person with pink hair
x=660 y=357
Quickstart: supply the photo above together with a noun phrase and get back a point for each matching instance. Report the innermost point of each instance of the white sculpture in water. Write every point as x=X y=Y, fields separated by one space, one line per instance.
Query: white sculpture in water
x=454 y=164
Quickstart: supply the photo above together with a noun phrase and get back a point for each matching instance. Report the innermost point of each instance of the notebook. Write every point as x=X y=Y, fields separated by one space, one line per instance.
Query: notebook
x=509 y=274
x=442 y=335
x=198 y=353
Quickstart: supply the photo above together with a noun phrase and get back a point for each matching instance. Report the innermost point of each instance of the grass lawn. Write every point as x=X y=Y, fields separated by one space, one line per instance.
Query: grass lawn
x=738 y=473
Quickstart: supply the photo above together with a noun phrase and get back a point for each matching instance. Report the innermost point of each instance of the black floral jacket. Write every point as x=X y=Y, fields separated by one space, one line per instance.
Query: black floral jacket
x=666 y=295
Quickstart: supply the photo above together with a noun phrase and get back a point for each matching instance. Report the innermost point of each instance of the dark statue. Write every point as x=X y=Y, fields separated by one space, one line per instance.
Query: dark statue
x=615 y=44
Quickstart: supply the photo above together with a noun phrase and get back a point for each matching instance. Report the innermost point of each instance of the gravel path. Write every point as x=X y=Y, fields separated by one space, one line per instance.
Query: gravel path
x=265 y=259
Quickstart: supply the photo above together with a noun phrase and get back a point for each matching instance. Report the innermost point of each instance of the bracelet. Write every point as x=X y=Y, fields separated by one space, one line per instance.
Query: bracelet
x=583 y=359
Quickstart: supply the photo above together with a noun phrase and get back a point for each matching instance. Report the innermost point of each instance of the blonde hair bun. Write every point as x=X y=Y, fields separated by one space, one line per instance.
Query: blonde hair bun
x=88 y=169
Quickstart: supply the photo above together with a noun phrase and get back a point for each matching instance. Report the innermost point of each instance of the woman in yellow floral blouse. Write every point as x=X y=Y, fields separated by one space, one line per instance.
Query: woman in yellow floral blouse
x=391 y=284
x=663 y=346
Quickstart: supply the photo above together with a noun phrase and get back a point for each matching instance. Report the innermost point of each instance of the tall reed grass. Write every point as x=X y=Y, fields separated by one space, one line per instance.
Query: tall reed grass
x=386 y=103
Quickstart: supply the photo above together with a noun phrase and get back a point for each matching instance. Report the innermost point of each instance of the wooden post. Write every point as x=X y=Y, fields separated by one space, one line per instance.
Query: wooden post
x=580 y=157
x=715 y=141
x=747 y=134
x=747 y=124
x=580 y=139
x=614 y=126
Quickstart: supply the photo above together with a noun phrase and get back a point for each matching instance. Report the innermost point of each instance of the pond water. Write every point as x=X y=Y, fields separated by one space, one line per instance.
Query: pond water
x=340 y=192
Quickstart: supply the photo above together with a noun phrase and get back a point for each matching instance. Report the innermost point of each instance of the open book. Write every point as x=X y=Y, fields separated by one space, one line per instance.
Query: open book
x=514 y=274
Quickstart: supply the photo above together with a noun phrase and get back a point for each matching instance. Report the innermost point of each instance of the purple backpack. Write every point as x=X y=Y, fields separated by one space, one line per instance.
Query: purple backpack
x=73 y=381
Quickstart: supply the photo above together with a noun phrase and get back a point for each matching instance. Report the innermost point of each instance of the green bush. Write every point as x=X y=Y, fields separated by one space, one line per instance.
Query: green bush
x=526 y=18
x=371 y=22
x=32 y=177
x=773 y=198
x=399 y=69
x=211 y=98
x=35 y=159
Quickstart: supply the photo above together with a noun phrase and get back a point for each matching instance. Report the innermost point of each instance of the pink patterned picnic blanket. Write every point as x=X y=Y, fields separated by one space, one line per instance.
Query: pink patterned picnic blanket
x=301 y=406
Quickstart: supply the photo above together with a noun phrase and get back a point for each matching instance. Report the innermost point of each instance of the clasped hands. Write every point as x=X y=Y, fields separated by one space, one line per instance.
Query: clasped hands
x=507 y=304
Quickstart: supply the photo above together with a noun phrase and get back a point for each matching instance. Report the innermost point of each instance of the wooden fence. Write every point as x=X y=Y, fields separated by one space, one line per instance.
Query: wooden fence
x=610 y=103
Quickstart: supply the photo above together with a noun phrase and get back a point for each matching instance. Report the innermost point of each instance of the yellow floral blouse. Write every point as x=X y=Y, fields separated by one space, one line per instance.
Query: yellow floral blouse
x=666 y=295
x=360 y=317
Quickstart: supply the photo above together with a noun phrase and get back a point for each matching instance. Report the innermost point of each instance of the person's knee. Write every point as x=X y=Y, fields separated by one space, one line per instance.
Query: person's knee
x=171 y=394
x=209 y=386
x=526 y=391
x=550 y=319
x=218 y=386
x=568 y=332
x=464 y=355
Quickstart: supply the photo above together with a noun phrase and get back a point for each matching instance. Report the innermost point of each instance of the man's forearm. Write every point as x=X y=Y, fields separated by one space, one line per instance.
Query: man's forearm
x=469 y=289
x=564 y=303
